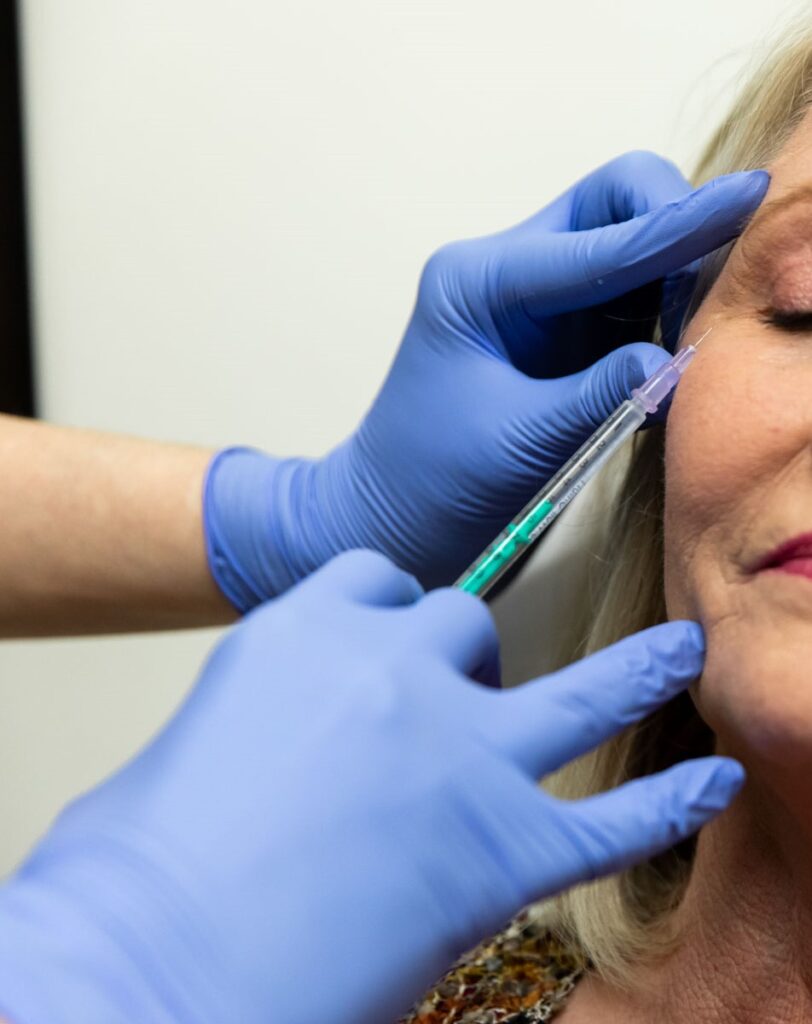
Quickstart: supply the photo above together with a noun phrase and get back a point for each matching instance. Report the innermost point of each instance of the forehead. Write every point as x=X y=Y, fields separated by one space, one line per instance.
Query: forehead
x=793 y=165
x=784 y=219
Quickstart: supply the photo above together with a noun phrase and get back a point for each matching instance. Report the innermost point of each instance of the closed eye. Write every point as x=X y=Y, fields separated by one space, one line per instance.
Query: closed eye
x=799 y=320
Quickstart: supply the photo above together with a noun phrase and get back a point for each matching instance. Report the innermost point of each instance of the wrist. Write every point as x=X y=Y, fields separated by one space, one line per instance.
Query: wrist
x=270 y=522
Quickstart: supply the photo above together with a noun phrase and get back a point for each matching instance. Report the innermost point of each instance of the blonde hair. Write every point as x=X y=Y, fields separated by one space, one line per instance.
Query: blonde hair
x=623 y=920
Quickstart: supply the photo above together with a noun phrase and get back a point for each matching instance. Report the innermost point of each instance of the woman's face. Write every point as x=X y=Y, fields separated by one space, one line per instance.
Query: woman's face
x=739 y=482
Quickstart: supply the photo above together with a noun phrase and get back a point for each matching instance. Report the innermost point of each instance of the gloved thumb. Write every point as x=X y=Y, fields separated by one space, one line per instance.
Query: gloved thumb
x=571 y=408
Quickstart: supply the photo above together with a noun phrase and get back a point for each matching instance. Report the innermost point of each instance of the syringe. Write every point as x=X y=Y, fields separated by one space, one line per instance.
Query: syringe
x=522 y=532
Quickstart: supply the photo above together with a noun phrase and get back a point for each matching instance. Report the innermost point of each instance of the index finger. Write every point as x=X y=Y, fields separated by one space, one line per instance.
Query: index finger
x=549 y=274
x=627 y=186
x=542 y=725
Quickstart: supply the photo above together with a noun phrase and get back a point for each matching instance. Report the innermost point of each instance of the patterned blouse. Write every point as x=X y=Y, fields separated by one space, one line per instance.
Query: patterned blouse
x=522 y=976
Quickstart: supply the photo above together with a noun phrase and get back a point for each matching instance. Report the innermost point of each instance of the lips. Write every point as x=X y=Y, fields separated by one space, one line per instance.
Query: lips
x=794 y=557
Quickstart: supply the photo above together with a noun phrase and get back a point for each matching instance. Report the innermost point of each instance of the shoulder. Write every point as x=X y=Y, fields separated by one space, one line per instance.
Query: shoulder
x=523 y=975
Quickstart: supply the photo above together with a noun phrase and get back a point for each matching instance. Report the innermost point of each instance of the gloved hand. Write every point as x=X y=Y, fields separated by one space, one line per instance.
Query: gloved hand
x=493 y=388
x=336 y=813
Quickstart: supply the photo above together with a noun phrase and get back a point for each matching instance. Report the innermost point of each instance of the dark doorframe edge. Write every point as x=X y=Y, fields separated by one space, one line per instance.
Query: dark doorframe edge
x=17 y=393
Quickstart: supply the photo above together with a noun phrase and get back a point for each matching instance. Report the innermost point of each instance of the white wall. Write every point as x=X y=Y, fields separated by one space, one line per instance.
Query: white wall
x=230 y=205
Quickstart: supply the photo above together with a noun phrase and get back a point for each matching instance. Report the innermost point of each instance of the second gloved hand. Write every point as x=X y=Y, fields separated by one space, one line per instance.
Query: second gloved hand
x=336 y=812
x=502 y=373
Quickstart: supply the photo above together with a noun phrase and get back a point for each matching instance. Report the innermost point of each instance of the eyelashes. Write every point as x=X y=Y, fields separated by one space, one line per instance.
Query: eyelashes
x=797 y=321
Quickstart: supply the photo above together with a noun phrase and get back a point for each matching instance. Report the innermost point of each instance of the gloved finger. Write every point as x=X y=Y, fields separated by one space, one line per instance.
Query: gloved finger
x=549 y=274
x=631 y=185
x=621 y=257
x=544 y=724
x=365 y=577
x=628 y=186
x=606 y=833
x=460 y=629
x=585 y=399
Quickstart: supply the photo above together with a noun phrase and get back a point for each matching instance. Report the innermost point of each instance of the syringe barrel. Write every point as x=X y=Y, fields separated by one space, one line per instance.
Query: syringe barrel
x=540 y=513
x=513 y=542
x=594 y=452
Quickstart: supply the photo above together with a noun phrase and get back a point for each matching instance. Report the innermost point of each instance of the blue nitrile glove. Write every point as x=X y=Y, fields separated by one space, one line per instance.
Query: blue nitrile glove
x=336 y=812
x=475 y=414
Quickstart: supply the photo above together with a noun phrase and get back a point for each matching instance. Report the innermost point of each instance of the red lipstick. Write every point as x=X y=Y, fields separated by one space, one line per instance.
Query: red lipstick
x=794 y=556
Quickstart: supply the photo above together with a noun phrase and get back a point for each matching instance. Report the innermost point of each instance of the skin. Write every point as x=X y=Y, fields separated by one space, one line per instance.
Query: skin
x=738 y=484
x=101 y=534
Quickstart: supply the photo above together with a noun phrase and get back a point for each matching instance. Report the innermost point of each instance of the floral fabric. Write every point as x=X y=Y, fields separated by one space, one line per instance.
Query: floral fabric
x=521 y=976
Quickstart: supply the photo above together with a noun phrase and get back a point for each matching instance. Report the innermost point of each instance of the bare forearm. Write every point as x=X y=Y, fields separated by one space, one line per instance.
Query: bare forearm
x=100 y=533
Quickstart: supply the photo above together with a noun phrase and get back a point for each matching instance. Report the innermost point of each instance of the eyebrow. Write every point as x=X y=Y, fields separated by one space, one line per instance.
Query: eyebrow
x=767 y=213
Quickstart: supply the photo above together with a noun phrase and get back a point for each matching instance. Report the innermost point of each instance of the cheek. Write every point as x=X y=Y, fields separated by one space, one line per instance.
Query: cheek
x=738 y=482
x=732 y=423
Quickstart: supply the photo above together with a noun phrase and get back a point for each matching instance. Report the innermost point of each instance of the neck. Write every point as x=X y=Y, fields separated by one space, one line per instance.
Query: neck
x=744 y=927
